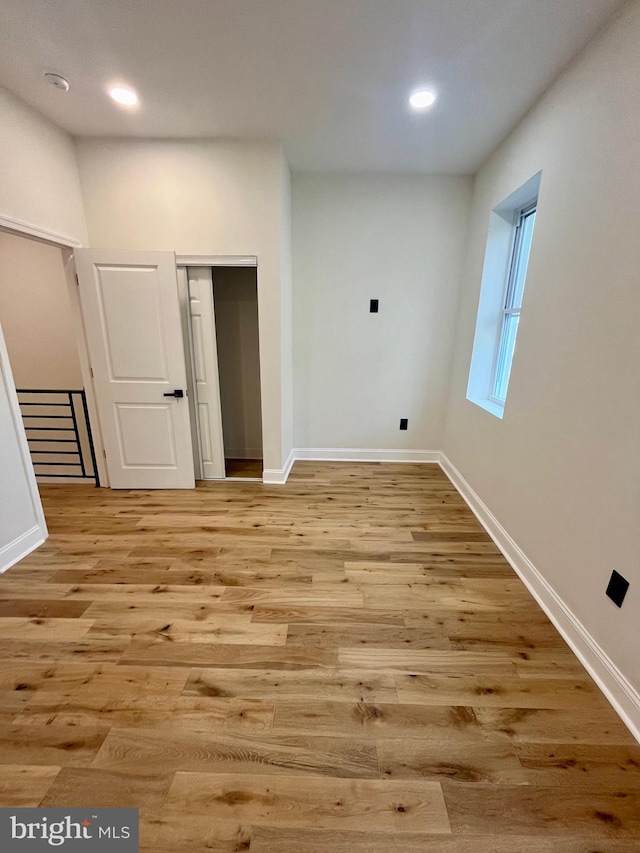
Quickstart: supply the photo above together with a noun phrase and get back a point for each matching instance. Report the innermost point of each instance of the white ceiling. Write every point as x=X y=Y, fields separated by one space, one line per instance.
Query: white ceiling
x=329 y=77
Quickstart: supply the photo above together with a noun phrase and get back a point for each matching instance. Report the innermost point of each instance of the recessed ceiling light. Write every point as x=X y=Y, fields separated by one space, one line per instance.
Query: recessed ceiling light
x=124 y=96
x=423 y=99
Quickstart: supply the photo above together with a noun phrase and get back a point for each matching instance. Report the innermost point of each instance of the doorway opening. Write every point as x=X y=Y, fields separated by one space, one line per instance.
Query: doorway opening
x=224 y=387
x=235 y=298
x=38 y=325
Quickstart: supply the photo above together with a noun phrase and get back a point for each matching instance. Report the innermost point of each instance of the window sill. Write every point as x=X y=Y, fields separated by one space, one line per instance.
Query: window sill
x=496 y=409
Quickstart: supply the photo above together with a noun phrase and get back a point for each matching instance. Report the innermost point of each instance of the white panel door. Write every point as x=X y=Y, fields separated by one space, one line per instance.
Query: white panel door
x=205 y=370
x=132 y=321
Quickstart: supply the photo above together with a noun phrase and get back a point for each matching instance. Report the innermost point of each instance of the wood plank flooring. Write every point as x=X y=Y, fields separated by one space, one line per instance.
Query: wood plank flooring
x=251 y=468
x=339 y=665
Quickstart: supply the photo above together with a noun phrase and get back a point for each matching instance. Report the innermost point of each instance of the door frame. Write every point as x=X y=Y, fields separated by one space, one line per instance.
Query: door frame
x=183 y=262
x=216 y=260
x=187 y=341
x=67 y=245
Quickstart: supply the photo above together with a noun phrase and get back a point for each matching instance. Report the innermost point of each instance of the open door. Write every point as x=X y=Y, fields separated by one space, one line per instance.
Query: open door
x=131 y=315
x=205 y=372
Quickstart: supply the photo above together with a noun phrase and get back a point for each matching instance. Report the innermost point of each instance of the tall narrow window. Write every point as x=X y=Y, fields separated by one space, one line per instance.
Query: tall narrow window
x=526 y=218
x=506 y=258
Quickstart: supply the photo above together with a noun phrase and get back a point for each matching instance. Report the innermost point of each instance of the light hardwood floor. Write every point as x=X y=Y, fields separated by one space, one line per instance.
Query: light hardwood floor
x=248 y=468
x=344 y=664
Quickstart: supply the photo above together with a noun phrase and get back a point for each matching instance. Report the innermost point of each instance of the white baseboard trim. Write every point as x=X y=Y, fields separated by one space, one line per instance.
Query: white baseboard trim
x=346 y=454
x=622 y=695
x=278 y=476
x=20 y=547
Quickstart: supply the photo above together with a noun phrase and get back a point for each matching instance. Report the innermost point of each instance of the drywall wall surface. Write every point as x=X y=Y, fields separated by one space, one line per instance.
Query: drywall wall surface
x=39 y=181
x=236 y=309
x=397 y=239
x=36 y=315
x=561 y=471
x=21 y=523
x=198 y=197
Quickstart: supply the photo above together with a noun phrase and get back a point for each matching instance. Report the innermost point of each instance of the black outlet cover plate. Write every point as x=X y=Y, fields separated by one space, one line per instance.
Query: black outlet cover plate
x=617 y=588
x=404 y=423
x=373 y=306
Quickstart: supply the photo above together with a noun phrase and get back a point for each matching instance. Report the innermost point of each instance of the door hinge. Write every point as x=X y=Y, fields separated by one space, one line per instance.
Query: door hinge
x=104 y=453
x=91 y=371
x=77 y=280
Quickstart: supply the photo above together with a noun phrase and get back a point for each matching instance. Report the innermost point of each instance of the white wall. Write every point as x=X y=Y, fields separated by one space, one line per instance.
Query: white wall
x=199 y=197
x=36 y=315
x=236 y=309
x=39 y=182
x=22 y=526
x=561 y=472
x=398 y=239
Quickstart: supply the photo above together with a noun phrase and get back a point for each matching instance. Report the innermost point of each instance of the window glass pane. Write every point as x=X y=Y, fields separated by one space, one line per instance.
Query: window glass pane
x=505 y=355
x=521 y=260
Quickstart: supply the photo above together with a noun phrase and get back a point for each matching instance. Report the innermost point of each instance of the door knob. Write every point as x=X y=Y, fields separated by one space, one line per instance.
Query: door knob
x=178 y=394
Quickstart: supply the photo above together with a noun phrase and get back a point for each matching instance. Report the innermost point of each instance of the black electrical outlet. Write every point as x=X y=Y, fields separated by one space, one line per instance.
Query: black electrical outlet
x=617 y=588
x=404 y=423
x=373 y=306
